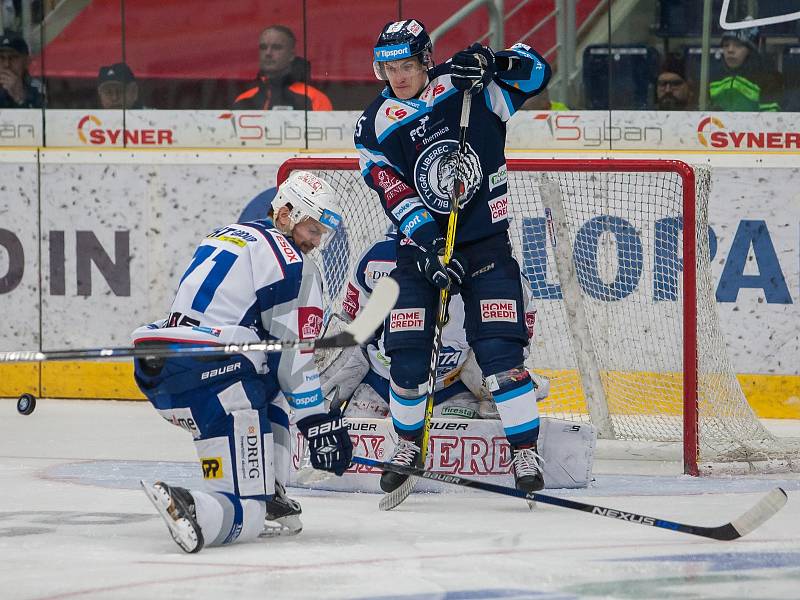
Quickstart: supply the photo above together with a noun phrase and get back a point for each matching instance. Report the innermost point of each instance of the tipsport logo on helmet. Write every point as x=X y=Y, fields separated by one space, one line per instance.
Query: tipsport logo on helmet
x=435 y=174
x=396 y=52
x=331 y=219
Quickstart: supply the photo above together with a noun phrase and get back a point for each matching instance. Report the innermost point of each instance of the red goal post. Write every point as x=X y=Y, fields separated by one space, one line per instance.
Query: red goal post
x=622 y=355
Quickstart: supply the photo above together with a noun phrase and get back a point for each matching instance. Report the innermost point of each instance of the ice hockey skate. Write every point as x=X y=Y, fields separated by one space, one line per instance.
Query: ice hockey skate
x=283 y=515
x=407 y=453
x=176 y=507
x=528 y=471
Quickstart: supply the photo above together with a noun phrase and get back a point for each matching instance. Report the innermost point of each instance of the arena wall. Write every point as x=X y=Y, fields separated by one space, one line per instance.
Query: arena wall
x=96 y=226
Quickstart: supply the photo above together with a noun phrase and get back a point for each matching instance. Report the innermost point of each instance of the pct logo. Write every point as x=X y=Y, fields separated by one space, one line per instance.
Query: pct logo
x=707 y=122
x=395 y=113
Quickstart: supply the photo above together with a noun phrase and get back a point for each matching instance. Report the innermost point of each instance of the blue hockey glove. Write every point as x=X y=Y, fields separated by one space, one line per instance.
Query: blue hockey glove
x=328 y=441
x=429 y=263
x=472 y=69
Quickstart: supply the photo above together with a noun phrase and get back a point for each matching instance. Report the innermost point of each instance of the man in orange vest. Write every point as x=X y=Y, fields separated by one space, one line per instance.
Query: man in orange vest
x=280 y=83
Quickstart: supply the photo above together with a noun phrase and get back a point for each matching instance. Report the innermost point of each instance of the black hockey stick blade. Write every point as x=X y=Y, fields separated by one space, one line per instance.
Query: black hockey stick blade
x=763 y=510
x=381 y=301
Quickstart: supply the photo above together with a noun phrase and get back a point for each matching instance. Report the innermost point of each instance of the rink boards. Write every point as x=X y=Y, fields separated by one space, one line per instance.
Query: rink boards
x=78 y=270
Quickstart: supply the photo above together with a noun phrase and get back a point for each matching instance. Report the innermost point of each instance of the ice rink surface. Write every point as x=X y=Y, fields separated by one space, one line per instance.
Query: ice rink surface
x=74 y=524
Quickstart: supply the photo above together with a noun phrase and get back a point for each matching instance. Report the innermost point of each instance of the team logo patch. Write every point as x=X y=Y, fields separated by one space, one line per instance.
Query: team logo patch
x=407 y=319
x=435 y=174
x=395 y=113
x=499 y=209
x=393 y=188
x=350 y=302
x=309 y=323
x=498 y=310
x=530 y=322
x=212 y=467
x=414 y=27
x=287 y=250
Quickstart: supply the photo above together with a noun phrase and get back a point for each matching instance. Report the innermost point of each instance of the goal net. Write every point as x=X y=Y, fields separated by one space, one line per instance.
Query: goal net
x=617 y=255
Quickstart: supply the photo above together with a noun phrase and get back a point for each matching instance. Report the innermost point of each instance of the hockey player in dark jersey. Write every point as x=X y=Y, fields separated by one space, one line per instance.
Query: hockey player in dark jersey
x=407 y=140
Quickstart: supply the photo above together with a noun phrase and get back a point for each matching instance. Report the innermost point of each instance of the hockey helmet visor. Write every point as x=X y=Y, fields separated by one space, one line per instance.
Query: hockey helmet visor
x=399 y=40
x=309 y=196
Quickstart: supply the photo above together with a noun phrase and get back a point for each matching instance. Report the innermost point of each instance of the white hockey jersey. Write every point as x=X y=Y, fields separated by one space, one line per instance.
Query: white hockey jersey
x=251 y=278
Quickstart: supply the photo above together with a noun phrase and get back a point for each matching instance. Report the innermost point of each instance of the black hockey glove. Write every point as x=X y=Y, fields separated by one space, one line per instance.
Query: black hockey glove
x=429 y=263
x=328 y=441
x=472 y=69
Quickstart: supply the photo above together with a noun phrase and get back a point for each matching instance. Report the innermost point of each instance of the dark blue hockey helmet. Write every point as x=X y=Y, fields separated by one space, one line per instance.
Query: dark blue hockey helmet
x=402 y=39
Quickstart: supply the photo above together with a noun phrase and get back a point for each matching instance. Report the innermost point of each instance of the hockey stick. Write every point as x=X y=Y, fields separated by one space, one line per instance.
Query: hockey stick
x=392 y=499
x=753 y=518
x=381 y=301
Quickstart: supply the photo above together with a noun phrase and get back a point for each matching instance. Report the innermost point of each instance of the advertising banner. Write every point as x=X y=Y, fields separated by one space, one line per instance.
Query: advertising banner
x=561 y=131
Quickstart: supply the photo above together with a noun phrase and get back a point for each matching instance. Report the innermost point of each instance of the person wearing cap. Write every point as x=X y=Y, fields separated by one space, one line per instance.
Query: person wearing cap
x=747 y=83
x=17 y=89
x=117 y=87
x=280 y=83
x=673 y=90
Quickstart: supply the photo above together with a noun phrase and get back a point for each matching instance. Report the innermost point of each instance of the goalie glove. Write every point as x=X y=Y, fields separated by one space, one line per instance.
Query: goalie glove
x=429 y=262
x=328 y=441
x=472 y=69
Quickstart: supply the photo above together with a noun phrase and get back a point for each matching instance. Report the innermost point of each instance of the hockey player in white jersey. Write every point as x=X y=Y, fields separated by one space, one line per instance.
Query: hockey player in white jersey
x=246 y=282
x=361 y=375
x=408 y=144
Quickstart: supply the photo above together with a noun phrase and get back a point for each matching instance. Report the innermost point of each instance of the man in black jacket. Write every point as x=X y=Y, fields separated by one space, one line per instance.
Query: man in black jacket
x=17 y=90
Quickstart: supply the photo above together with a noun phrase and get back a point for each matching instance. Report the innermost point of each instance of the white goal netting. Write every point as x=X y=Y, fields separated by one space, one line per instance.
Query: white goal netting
x=603 y=250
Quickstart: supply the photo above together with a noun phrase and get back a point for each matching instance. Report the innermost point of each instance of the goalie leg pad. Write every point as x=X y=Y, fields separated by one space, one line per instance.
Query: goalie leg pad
x=345 y=373
x=367 y=403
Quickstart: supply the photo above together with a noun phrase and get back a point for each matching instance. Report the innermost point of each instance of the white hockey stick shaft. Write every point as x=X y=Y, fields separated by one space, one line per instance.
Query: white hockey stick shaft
x=381 y=301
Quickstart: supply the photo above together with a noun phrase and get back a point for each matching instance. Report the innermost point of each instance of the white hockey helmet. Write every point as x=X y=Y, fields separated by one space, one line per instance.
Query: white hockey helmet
x=309 y=196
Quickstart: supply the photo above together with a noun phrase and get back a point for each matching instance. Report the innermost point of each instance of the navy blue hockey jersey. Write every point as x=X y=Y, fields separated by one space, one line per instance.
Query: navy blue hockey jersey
x=408 y=150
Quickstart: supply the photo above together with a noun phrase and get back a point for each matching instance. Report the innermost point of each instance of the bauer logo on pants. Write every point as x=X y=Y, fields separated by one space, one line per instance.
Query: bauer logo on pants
x=407 y=319
x=498 y=310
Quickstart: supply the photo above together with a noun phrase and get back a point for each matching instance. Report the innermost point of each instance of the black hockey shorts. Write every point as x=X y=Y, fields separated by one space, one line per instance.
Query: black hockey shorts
x=492 y=294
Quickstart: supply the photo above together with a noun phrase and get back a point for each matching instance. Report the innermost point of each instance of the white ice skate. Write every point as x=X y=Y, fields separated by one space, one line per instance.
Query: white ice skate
x=176 y=507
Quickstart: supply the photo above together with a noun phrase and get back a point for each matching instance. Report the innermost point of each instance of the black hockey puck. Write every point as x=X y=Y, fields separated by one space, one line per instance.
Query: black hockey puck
x=26 y=404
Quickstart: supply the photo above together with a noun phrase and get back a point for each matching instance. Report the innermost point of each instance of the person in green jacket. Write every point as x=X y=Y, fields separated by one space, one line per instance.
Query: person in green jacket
x=748 y=83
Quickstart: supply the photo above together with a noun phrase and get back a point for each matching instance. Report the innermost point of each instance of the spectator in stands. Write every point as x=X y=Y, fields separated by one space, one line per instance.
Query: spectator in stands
x=117 y=87
x=280 y=83
x=747 y=83
x=673 y=90
x=17 y=88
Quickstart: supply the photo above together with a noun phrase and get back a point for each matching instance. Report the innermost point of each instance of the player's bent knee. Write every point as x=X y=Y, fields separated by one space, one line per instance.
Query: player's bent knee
x=409 y=368
x=495 y=355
